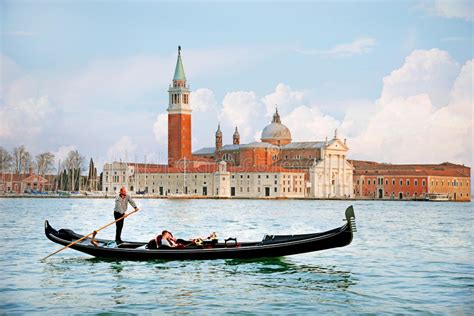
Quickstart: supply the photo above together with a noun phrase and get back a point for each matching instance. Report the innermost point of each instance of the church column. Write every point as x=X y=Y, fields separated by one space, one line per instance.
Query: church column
x=325 y=172
x=330 y=176
x=344 y=175
x=338 y=178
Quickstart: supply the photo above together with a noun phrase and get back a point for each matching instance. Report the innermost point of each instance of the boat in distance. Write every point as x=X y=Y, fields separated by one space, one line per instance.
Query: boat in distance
x=269 y=246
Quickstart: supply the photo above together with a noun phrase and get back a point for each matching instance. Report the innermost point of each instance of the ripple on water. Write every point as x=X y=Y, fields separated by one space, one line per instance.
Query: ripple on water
x=406 y=258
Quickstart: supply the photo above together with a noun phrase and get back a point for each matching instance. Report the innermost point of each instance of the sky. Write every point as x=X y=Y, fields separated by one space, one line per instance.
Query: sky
x=394 y=78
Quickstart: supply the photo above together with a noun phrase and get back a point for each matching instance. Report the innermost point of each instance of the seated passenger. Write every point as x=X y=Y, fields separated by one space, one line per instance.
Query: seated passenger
x=167 y=239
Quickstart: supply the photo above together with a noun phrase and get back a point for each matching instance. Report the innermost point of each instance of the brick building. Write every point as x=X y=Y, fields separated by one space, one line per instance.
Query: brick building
x=410 y=182
x=26 y=183
x=272 y=167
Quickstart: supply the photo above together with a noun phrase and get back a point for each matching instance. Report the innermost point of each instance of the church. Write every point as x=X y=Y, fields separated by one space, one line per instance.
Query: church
x=274 y=167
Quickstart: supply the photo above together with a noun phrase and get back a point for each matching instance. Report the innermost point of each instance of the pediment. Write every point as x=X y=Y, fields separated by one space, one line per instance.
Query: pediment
x=337 y=144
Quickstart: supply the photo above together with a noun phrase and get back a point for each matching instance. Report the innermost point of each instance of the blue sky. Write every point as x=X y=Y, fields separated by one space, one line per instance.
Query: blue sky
x=93 y=75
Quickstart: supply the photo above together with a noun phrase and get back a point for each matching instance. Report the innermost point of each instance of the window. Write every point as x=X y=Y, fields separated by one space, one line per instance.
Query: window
x=286 y=156
x=408 y=182
x=268 y=177
x=258 y=176
x=275 y=189
x=386 y=182
x=416 y=183
x=276 y=182
x=357 y=181
x=233 y=177
x=276 y=176
x=424 y=182
x=248 y=189
x=368 y=182
x=393 y=181
x=258 y=189
x=248 y=176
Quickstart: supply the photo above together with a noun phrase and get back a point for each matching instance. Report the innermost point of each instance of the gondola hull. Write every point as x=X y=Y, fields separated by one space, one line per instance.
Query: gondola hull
x=270 y=246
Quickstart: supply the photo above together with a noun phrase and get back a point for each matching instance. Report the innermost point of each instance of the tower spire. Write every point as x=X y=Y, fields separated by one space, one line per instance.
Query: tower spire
x=218 y=137
x=236 y=137
x=276 y=116
x=179 y=70
x=179 y=116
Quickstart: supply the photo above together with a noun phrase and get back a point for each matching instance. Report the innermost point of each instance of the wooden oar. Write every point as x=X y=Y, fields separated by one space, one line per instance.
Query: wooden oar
x=84 y=237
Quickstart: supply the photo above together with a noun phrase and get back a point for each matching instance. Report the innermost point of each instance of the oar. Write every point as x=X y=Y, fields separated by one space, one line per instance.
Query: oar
x=84 y=237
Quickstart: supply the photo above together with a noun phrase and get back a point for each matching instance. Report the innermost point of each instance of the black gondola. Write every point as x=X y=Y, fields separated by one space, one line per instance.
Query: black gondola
x=270 y=246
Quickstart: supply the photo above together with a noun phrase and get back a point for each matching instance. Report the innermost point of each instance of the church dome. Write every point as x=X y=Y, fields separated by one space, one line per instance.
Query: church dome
x=276 y=133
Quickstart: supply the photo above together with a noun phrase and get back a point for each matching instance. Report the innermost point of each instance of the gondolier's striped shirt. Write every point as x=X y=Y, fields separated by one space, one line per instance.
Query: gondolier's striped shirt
x=121 y=204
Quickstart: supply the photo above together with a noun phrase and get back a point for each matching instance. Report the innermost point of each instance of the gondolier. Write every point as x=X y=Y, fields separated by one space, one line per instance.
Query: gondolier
x=121 y=203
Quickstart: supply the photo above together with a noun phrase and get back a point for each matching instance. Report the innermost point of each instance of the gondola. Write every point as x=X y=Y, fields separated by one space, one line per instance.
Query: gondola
x=269 y=246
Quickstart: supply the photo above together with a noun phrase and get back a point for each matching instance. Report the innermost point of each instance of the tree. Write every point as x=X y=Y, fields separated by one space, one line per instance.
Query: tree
x=22 y=159
x=6 y=160
x=74 y=163
x=45 y=163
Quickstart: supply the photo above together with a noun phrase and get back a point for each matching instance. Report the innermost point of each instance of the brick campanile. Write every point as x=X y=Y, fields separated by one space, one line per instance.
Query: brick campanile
x=179 y=116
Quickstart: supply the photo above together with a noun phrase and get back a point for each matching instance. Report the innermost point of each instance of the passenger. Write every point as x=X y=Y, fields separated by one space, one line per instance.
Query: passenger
x=167 y=239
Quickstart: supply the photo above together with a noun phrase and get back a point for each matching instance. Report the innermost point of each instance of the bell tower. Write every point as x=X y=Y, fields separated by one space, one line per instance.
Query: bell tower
x=179 y=116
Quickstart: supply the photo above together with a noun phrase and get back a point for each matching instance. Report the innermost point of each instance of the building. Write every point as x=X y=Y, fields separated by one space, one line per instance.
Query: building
x=273 y=167
x=408 y=182
x=26 y=183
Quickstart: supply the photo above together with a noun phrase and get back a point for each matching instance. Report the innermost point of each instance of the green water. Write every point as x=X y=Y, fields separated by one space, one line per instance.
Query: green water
x=407 y=257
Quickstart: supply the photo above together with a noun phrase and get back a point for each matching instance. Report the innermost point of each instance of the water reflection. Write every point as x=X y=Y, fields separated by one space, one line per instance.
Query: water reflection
x=283 y=272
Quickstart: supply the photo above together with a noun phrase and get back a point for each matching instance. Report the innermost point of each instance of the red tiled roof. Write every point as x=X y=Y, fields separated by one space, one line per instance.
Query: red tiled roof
x=445 y=169
x=209 y=168
x=262 y=168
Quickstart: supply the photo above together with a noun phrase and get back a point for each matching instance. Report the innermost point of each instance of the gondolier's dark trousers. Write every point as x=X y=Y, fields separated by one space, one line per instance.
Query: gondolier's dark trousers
x=118 y=226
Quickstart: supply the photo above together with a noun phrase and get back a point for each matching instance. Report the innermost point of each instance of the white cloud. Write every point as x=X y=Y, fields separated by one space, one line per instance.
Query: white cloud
x=202 y=100
x=309 y=123
x=61 y=154
x=242 y=109
x=284 y=98
x=411 y=128
x=358 y=46
x=463 y=9
x=123 y=149
x=160 y=128
x=424 y=71
x=19 y=34
x=25 y=118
